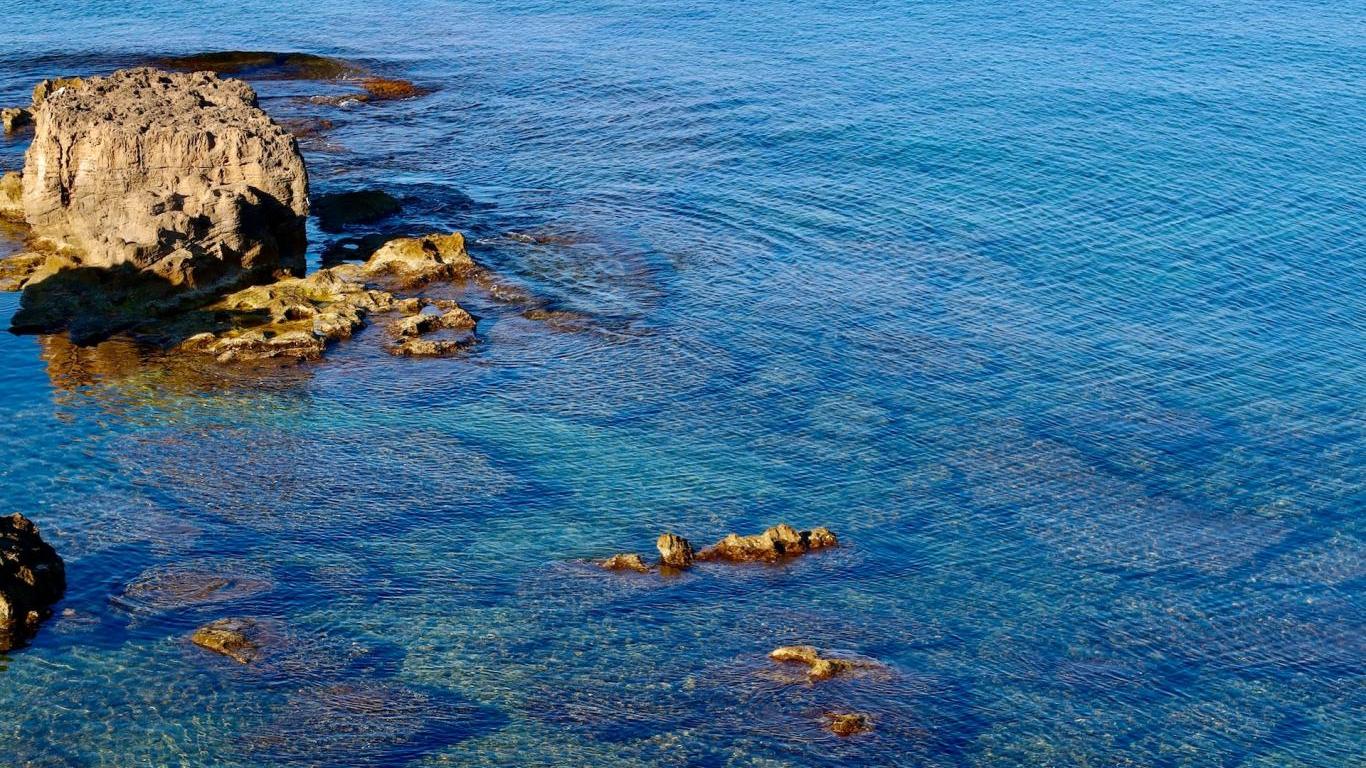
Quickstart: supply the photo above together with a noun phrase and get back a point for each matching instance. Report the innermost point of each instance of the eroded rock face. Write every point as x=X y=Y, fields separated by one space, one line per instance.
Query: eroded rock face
x=415 y=261
x=32 y=578
x=674 y=551
x=177 y=180
x=780 y=541
x=12 y=196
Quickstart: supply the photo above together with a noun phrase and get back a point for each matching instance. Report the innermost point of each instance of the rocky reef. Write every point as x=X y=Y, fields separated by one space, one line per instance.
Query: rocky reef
x=780 y=541
x=32 y=578
x=848 y=723
x=149 y=189
x=674 y=551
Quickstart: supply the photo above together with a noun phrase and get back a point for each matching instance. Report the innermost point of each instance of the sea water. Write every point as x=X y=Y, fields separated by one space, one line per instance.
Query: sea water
x=1055 y=312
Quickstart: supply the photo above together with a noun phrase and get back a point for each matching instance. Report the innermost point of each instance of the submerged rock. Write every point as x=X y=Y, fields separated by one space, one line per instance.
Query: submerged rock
x=780 y=541
x=159 y=186
x=14 y=118
x=353 y=248
x=336 y=211
x=178 y=588
x=625 y=562
x=821 y=666
x=848 y=723
x=674 y=551
x=264 y=65
x=32 y=578
x=234 y=638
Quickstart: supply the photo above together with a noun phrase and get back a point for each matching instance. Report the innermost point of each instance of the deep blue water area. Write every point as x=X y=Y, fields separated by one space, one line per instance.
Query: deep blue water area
x=1055 y=312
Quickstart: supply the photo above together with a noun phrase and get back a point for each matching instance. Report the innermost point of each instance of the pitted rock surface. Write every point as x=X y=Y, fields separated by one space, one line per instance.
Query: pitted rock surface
x=178 y=176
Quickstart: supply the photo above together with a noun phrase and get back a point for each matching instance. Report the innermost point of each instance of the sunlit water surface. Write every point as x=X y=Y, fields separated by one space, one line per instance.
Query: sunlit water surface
x=1054 y=311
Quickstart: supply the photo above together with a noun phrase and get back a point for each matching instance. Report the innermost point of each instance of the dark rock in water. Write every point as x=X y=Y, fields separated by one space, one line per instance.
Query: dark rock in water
x=14 y=118
x=337 y=211
x=306 y=127
x=262 y=65
x=414 y=332
x=32 y=578
x=777 y=542
x=821 y=665
x=114 y=180
x=674 y=551
x=625 y=562
x=848 y=723
x=234 y=638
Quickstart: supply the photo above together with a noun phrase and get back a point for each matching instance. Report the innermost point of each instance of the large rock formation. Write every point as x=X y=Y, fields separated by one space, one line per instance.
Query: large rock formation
x=32 y=578
x=780 y=541
x=176 y=183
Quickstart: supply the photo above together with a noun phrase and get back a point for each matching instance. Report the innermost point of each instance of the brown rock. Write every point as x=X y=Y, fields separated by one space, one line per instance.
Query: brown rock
x=777 y=542
x=262 y=65
x=387 y=89
x=674 y=551
x=625 y=562
x=12 y=196
x=414 y=261
x=14 y=118
x=32 y=578
x=177 y=184
x=848 y=723
x=821 y=666
x=233 y=638
x=43 y=90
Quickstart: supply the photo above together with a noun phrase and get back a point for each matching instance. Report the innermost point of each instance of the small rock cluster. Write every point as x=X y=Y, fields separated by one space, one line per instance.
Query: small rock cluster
x=32 y=578
x=777 y=543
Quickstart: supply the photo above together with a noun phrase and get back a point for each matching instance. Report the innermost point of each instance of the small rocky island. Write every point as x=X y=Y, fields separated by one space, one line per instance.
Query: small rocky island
x=32 y=578
x=168 y=204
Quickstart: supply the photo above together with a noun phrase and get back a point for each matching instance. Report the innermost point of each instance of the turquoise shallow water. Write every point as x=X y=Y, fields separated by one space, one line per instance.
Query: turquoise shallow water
x=1052 y=311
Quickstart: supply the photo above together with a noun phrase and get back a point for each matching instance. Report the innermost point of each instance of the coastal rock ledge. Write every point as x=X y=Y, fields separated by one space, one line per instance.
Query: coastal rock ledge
x=175 y=182
x=32 y=578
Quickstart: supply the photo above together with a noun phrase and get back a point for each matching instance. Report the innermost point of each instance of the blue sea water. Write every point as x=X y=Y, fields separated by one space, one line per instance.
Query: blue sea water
x=1054 y=311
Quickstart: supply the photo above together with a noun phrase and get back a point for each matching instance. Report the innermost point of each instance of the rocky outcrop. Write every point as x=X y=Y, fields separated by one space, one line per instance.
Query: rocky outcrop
x=235 y=638
x=177 y=184
x=12 y=119
x=780 y=541
x=821 y=665
x=297 y=318
x=32 y=578
x=848 y=723
x=43 y=90
x=674 y=551
x=625 y=562
x=410 y=262
x=262 y=65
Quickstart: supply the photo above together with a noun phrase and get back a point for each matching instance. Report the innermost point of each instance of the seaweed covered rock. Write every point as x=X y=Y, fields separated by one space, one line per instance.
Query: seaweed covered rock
x=32 y=578
x=171 y=185
x=235 y=638
x=780 y=541
x=262 y=65
x=674 y=551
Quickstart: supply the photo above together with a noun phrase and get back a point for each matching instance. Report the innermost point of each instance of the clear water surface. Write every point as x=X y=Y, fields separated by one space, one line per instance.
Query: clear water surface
x=1054 y=311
